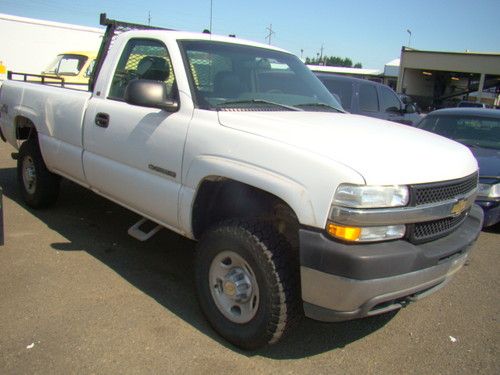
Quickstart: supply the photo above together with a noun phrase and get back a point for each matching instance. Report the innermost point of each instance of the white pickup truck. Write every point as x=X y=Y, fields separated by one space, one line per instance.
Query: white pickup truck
x=298 y=207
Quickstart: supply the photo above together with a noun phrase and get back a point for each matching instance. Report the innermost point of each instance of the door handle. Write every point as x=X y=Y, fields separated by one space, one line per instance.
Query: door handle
x=102 y=120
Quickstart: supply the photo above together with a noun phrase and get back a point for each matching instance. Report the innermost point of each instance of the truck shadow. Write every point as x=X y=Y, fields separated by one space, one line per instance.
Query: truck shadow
x=163 y=267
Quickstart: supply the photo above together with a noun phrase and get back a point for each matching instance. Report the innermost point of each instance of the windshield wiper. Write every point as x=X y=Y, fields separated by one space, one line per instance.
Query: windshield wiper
x=319 y=104
x=256 y=101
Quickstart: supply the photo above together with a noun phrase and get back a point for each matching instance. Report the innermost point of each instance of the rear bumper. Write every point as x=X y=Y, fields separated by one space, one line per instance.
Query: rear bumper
x=342 y=282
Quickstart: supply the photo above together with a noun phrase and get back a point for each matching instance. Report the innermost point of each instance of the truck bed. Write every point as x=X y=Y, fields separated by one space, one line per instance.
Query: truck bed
x=58 y=113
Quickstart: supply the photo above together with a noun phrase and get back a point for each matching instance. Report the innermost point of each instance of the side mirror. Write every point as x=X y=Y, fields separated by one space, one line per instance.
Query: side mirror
x=148 y=93
x=410 y=108
x=393 y=110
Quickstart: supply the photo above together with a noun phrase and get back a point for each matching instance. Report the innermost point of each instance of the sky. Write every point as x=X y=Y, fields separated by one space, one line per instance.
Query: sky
x=371 y=32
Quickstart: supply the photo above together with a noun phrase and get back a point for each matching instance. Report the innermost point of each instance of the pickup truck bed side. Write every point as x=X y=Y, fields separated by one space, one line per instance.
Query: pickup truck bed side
x=58 y=121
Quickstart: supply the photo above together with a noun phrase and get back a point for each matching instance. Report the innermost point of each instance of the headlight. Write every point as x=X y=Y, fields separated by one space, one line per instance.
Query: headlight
x=488 y=191
x=357 y=196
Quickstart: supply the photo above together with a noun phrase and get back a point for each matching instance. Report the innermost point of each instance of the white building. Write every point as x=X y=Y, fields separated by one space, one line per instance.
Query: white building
x=29 y=45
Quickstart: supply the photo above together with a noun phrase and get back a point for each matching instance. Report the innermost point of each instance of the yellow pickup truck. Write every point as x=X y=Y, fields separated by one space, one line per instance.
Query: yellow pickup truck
x=75 y=67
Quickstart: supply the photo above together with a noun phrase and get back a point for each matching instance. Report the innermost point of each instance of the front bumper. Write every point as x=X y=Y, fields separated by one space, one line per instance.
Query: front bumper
x=348 y=281
x=491 y=209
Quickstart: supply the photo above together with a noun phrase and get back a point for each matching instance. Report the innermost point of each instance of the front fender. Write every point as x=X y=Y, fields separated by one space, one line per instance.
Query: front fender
x=213 y=167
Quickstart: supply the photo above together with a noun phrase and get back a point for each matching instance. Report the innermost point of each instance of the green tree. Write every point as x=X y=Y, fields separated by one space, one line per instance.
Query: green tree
x=332 y=61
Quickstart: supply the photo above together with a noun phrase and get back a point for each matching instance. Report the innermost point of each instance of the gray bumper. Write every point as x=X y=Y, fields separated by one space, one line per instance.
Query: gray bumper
x=362 y=290
x=342 y=299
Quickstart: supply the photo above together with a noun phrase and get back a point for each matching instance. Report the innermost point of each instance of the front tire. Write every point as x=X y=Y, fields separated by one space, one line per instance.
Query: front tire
x=39 y=187
x=248 y=283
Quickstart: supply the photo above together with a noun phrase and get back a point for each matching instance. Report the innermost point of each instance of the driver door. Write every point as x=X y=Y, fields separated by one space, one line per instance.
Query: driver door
x=133 y=154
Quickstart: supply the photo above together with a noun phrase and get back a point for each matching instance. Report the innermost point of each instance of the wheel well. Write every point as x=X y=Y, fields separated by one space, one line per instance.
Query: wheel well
x=220 y=199
x=25 y=128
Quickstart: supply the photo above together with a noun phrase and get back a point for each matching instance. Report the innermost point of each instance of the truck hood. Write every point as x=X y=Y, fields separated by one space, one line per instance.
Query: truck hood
x=382 y=152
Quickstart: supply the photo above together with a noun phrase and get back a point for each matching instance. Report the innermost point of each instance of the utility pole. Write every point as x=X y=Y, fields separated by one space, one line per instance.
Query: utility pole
x=409 y=37
x=321 y=55
x=211 y=7
x=301 y=53
x=271 y=32
x=149 y=18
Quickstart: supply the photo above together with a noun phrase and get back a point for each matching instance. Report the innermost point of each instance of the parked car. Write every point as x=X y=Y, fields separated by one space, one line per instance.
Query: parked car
x=479 y=129
x=367 y=98
x=467 y=104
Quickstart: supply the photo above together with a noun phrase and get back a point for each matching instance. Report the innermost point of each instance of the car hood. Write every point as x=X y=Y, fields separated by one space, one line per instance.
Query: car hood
x=488 y=160
x=382 y=152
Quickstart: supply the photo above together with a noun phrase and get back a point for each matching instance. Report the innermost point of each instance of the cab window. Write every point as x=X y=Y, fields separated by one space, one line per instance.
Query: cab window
x=90 y=69
x=389 y=101
x=342 y=88
x=142 y=59
x=368 y=100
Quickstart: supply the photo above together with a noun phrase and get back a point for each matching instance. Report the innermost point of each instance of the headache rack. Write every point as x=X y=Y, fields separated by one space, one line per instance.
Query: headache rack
x=113 y=29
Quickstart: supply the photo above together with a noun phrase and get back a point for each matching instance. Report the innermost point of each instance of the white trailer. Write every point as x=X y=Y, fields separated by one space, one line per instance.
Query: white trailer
x=29 y=45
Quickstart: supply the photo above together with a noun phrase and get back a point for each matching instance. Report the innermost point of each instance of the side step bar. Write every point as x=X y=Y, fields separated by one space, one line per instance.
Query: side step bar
x=140 y=233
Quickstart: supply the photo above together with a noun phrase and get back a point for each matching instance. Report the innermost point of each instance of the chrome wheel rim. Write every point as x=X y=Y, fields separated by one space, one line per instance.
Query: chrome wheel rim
x=234 y=287
x=29 y=175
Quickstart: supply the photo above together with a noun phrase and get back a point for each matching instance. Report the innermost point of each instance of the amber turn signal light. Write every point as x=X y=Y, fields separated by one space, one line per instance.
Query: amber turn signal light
x=343 y=232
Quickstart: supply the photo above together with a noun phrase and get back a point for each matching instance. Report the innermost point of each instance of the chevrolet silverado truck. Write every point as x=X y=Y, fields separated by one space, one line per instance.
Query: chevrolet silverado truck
x=298 y=207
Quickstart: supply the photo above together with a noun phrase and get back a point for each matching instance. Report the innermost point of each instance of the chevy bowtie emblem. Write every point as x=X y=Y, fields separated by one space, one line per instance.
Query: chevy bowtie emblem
x=459 y=207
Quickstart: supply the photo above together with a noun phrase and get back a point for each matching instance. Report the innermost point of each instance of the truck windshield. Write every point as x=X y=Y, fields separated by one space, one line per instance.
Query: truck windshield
x=227 y=76
x=67 y=64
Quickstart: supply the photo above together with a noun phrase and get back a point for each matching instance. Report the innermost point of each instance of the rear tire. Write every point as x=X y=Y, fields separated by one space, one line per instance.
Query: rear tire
x=248 y=283
x=39 y=187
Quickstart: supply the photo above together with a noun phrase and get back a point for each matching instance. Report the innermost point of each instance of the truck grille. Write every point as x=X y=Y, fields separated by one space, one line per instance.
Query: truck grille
x=430 y=230
x=438 y=192
x=442 y=191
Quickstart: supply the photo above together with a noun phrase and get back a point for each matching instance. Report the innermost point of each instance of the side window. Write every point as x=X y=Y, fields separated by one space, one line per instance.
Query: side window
x=388 y=100
x=341 y=88
x=368 y=100
x=70 y=65
x=90 y=68
x=142 y=59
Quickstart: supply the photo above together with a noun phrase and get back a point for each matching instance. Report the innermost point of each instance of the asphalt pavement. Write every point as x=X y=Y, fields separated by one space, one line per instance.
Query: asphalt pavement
x=78 y=295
